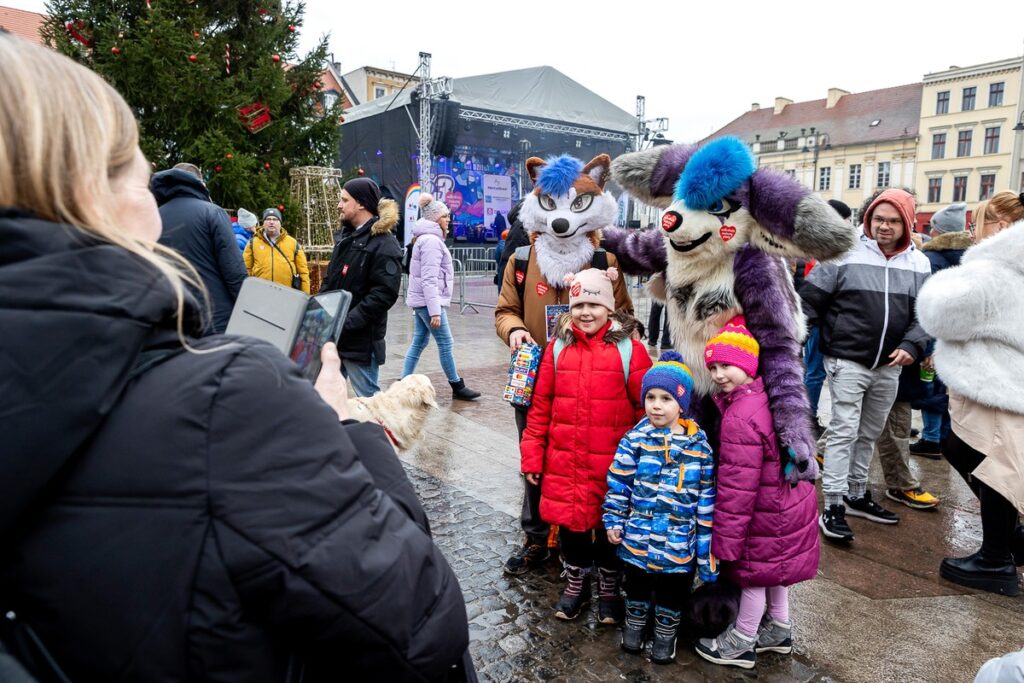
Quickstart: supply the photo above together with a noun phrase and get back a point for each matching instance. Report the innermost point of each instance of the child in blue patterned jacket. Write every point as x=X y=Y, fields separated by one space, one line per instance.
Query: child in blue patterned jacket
x=659 y=506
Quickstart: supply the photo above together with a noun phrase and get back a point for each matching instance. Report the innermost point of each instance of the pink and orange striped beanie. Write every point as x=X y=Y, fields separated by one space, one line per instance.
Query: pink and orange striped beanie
x=734 y=345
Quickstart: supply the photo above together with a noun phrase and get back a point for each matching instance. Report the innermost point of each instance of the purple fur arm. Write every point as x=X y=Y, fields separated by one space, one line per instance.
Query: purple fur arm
x=770 y=313
x=640 y=252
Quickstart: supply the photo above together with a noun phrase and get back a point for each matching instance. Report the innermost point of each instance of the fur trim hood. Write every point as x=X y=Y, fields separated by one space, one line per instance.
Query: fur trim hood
x=949 y=241
x=387 y=217
x=622 y=327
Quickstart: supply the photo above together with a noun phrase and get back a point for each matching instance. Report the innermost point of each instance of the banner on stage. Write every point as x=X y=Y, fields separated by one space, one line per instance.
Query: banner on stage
x=497 y=199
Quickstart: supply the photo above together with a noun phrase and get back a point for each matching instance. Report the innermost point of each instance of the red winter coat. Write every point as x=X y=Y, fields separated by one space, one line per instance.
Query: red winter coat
x=764 y=530
x=577 y=419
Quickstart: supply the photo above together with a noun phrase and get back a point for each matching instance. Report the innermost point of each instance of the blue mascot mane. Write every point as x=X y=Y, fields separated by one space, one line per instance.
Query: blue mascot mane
x=714 y=171
x=558 y=174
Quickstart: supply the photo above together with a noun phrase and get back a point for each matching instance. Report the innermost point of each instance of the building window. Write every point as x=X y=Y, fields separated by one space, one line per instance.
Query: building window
x=379 y=92
x=988 y=185
x=939 y=146
x=791 y=172
x=854 y=177
x=970 y=95
x=995 y=95
x=883 y=174
x=824 y=178
x=934 y=190
x=963 y=143
x=330 y=99
x=992 y=140
x=960 y=188
x=942 y=102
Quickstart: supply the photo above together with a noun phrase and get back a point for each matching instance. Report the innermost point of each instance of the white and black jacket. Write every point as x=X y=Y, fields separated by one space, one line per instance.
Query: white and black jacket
x=865 y=302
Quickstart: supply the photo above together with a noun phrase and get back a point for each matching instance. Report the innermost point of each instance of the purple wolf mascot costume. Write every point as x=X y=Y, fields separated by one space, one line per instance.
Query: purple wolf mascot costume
x=724 y=231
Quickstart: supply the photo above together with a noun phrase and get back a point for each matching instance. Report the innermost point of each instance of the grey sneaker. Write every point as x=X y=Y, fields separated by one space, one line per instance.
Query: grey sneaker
x=774 y=636
x=729 y=648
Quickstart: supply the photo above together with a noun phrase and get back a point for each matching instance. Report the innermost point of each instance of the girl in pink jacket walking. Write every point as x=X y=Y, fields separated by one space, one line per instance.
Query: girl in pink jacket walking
x=431 y=280
x=765 y=530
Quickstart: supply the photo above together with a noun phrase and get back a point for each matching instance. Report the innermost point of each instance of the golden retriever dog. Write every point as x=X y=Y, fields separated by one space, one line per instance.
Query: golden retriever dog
x=401 y=409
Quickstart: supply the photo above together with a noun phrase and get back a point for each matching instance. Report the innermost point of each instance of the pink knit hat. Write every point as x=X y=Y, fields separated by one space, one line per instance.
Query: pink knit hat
x=734 y=345
x=592 y=285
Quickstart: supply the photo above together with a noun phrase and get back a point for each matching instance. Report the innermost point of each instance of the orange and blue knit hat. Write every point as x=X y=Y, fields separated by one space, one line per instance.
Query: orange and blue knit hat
x=734 y=345
x=670 y=374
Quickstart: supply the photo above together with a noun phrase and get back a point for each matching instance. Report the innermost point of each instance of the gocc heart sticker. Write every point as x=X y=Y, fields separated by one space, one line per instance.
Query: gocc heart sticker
x=576 y=288
x=670 y=221
x=727 y=232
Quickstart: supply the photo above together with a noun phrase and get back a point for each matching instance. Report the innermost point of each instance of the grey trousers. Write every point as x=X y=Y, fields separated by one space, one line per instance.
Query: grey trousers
x=861 y=401
x=535 y=528
x=894 y=448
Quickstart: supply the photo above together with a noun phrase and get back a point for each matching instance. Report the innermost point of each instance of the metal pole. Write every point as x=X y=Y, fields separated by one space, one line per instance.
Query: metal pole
x=426 y=158
x=1015 y=179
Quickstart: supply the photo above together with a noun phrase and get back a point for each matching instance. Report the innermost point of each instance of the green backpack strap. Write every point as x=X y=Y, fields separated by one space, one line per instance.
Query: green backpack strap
x=624 y=347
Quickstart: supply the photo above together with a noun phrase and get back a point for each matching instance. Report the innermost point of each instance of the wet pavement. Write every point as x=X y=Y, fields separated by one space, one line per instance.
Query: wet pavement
x=878 y=610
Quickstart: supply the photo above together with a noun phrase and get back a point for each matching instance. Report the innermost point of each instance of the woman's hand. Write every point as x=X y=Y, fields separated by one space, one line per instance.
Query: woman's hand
x=330 y=383
x=435 y=321
x=533 y=478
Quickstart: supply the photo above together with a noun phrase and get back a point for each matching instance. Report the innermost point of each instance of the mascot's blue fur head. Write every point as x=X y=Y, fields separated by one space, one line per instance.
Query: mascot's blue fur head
x=558 y=174
x=713 y=172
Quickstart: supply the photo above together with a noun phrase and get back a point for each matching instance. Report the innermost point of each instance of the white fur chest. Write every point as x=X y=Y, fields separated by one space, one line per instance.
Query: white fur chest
x=557 y=258
x=700 y=301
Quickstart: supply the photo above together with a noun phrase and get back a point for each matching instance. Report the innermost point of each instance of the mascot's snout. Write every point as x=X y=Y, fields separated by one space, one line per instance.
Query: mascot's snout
x=560 y=226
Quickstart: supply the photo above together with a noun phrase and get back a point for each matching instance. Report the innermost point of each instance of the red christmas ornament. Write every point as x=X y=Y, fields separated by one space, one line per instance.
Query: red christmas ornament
x=361 y=172
x=193 y=58
x=218 y=168
x=275 y=58
x=115 y=50
x=195 y=34
x=291 y=28
x=73 y=31
x=280 y=207
x=266 y=165
x=255 y=116
x=317 y=84
x=229 y=155
x=262 y=10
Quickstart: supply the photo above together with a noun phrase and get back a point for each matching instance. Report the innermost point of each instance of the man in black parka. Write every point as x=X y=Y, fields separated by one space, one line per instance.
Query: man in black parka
x=367 y=261
x=200 y=231
x=196 y=517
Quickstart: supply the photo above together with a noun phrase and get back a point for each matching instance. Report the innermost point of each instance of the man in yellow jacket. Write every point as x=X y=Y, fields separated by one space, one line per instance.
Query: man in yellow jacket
x=273 y=254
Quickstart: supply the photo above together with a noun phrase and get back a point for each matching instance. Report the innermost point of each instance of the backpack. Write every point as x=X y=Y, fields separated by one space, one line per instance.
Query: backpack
x=407 y=256
x=624 y=347
x=522 y=256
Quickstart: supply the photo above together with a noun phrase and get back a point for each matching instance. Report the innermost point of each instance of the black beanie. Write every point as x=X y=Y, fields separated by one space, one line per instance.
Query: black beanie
x=365 y=192
x=840 y=208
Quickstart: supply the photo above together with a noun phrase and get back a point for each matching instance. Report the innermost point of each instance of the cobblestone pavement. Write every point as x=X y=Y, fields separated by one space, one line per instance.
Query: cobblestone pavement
x=878 y=610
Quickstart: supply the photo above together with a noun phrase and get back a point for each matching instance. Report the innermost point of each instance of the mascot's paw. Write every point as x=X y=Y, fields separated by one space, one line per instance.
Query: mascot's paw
x=801 y=465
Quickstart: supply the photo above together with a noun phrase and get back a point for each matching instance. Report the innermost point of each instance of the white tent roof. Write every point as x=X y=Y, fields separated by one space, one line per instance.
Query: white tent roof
x=539 y=92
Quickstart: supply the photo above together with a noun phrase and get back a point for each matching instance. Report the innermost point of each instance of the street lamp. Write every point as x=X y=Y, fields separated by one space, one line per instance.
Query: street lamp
x=1015 y=174
x=818 y=139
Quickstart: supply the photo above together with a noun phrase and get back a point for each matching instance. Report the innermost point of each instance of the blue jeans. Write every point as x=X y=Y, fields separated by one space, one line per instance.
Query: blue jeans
x=936 y=426
x=814 y=369
x=420 y=339
x=363 y=377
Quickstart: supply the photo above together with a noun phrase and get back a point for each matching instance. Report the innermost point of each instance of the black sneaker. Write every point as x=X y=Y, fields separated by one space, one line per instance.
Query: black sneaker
x=926 y=449
x=869 y=509
x=529 y=557
x=833 y=524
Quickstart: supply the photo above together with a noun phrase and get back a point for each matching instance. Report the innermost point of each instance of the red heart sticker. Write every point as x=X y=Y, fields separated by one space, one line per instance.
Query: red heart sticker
x=727 y=232
x=709 y=353
x=576 y=288
x=542 y=288
x=680 y=390
x=669 y=221
x=520 y=277
x=344 y=269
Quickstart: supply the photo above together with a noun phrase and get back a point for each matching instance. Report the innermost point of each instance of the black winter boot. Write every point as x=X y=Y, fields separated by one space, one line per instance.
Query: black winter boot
x=576 y=594
x=666 y=628
x=609 y=609
x=460 y=392
x=635 y=626
x=995 y=575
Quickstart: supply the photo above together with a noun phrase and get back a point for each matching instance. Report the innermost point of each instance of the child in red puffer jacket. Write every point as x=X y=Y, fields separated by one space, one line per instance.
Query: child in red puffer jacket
x=585 y=399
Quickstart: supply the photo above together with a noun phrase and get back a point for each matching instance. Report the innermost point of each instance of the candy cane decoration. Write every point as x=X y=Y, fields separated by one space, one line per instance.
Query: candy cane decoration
x=227 y=59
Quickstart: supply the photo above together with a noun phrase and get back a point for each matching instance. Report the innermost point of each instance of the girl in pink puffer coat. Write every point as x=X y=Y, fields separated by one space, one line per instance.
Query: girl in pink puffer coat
x=765 y=530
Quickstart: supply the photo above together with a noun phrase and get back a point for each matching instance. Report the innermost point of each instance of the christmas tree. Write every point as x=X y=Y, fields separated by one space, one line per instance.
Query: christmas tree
x=216 y=83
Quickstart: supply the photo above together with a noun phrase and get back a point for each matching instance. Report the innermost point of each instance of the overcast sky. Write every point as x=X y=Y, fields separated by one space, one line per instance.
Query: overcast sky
x=699 y=68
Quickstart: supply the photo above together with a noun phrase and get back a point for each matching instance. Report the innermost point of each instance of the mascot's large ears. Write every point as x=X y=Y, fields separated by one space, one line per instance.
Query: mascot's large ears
x=599 y=169
x=533 y=166
x=651 y=175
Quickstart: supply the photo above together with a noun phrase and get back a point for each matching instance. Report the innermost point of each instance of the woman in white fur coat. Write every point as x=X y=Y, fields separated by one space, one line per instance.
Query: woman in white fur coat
x=976 y=313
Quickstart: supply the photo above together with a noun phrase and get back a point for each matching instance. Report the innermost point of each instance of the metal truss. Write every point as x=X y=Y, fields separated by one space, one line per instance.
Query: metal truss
x=542 y=126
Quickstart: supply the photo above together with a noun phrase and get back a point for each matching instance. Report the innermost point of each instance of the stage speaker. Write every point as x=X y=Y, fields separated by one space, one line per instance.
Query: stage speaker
x=446 y=127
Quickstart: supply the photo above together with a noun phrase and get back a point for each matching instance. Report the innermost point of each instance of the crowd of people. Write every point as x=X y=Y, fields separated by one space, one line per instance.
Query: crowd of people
x=152 y=530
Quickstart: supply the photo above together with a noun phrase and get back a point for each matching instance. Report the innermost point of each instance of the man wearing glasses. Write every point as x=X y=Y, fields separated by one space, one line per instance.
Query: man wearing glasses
x=865 y=305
